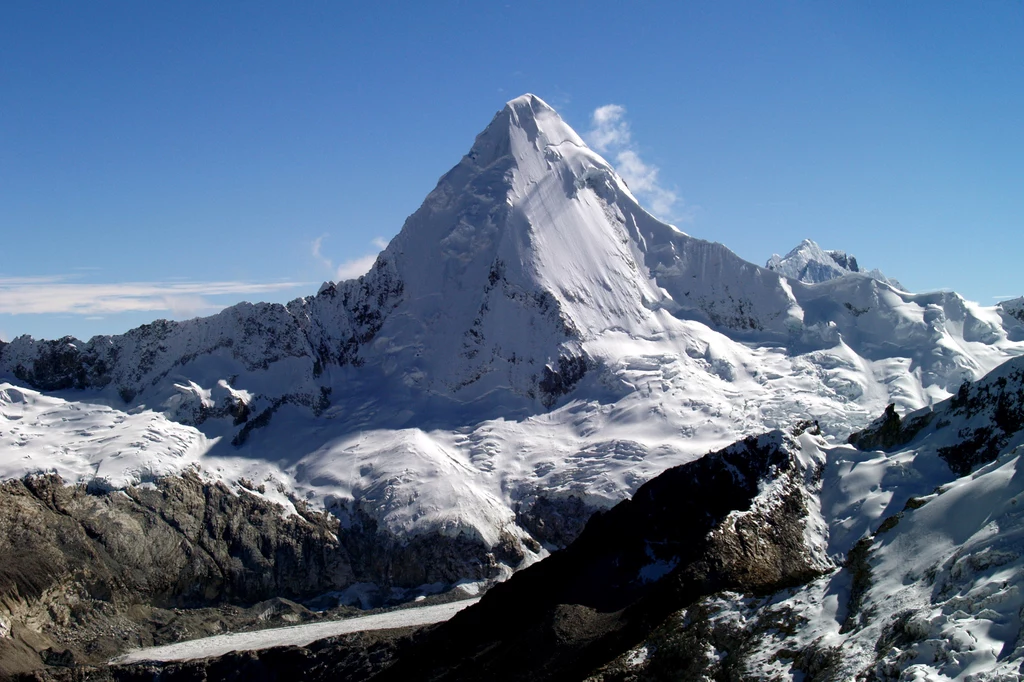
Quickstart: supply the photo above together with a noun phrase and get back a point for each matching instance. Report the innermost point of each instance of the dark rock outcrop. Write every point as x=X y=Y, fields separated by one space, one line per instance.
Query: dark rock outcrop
x=695 y=530
x=889 y=432
x=93 y=571
x=974 y=425
x=556 y=522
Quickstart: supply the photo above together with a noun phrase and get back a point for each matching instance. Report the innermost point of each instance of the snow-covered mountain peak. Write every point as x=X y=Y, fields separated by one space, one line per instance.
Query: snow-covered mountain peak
x=534 y=116
x=809 y=263
x=517 y=255
x=525 y=124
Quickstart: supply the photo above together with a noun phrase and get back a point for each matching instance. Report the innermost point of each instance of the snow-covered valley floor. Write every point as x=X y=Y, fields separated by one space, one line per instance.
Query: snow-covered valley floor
x=297 y=635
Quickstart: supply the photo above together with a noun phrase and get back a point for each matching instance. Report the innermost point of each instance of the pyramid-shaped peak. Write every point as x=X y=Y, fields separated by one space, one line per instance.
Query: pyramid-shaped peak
x=529 y=105
x=529 y=120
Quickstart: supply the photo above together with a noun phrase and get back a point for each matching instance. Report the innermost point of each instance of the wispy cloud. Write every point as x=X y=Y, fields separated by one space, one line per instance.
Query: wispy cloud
x=318 y=254
x=348 y=269
x=351 y=269
x=610 y=128
x=610 y=135
x=49 y=295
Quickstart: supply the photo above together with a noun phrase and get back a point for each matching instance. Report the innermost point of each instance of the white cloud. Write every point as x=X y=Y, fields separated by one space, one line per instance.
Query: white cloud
x=318 y=254
x=611 y=135
x=49 y=295
x=349 y=269
x=610 y=128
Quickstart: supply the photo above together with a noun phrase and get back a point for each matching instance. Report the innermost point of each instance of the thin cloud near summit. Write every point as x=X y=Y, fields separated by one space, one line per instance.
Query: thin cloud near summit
x=610 y=134
x=349 y=269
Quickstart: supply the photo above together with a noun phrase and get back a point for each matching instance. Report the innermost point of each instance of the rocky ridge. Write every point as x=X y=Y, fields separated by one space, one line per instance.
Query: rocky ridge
x=88 y=573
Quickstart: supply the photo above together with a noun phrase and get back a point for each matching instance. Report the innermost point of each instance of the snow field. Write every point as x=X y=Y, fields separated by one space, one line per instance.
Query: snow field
x=296 y=635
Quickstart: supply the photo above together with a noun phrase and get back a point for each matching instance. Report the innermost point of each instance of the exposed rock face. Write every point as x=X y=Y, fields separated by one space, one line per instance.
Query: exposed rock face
x=90 y=572
x=555 y=522
x=734 y=518
x=914 y=589
x=889 y=432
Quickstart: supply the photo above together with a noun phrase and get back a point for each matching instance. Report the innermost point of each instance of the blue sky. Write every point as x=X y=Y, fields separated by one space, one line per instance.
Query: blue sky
x=167 y=159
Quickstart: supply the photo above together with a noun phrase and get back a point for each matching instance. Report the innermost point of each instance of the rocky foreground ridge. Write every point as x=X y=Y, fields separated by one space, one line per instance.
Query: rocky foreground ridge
x=87 y=573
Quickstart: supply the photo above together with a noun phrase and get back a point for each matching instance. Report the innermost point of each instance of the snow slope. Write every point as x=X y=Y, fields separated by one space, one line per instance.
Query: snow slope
x=929 y=575
x=532 y=333
x=88 y=442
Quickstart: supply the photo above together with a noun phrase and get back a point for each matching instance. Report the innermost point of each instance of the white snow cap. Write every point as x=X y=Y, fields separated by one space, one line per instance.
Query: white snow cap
x=533 y=114
x=809 y=263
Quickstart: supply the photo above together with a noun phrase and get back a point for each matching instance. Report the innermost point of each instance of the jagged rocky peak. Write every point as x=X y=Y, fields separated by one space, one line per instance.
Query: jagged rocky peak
x=809 y=263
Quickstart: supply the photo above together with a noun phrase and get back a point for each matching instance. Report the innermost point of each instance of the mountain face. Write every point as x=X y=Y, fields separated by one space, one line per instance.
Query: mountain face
x=809 y=263
x=531 y=347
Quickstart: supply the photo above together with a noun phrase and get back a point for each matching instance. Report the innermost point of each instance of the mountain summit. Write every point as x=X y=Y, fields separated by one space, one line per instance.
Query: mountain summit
x=809 y=263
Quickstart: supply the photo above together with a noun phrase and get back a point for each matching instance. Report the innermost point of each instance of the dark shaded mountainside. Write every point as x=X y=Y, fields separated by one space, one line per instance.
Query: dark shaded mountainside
x=638 y=596
x=88 y=572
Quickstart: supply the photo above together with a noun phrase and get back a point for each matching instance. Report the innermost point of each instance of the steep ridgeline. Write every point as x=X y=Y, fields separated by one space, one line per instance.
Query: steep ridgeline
x=740 y=518
x=531 y=346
